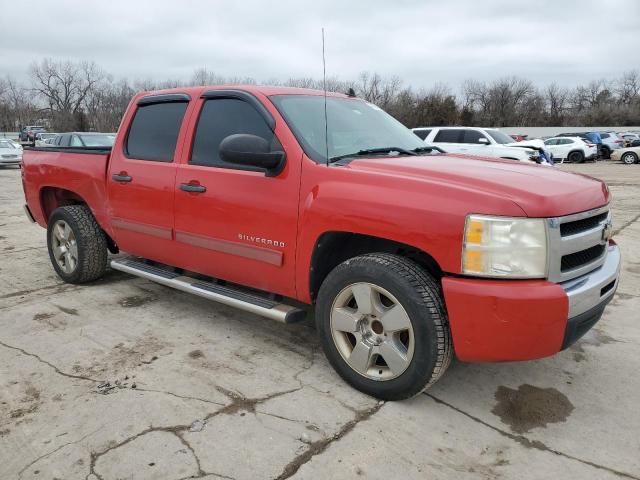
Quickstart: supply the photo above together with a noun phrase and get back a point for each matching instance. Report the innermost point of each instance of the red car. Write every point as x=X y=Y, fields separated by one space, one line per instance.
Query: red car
x=409 y=255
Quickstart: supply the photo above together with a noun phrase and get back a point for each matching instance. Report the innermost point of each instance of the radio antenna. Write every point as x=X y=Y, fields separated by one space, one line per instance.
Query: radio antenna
x=324 y=87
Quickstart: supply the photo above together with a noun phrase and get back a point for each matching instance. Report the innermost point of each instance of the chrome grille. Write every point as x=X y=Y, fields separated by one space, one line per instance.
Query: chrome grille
x=577 y=243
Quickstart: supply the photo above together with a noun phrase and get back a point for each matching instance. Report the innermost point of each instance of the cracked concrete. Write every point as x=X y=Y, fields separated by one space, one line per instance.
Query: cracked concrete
x=266 y=402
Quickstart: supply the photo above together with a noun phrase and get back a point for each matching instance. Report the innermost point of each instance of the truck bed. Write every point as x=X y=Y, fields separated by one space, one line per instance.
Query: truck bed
x=48 y=173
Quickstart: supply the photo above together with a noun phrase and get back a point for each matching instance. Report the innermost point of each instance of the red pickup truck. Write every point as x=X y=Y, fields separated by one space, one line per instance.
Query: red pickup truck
x=248 y=196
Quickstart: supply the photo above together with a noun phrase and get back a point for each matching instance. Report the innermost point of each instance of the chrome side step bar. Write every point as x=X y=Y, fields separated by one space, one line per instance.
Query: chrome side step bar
x=212 y=291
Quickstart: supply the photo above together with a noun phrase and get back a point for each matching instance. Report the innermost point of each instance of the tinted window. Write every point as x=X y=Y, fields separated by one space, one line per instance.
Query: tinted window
x=553 y=141
x=422 y=134
x=75 y=141
x=154 y=131
x=64 y=140
x=449 y=136
x=473 y=136
x=219 y=119
x=604 y=135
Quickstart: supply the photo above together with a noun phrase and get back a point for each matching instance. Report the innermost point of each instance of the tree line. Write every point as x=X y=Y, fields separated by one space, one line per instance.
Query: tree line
x=81 y=96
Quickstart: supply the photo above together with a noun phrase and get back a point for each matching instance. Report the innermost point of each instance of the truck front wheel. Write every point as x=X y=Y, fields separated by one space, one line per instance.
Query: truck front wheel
x=383 y=325
x=77 y=245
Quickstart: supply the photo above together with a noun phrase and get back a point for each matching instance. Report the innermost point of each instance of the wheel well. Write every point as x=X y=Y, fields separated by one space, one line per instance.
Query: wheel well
x=333 y=248
x=55 y=197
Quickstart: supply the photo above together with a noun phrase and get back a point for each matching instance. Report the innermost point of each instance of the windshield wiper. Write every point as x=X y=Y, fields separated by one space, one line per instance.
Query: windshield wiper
x=428 y=149
x=374 y=151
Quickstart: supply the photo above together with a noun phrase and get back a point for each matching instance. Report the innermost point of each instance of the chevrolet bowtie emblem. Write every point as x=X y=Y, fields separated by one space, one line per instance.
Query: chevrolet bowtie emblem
x=607 y=232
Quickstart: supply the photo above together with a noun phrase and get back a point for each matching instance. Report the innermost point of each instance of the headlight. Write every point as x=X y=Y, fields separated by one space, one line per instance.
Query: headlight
x=504 y=247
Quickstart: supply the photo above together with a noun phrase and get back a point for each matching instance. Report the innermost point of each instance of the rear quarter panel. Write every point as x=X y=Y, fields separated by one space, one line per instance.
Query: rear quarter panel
x=80 y=173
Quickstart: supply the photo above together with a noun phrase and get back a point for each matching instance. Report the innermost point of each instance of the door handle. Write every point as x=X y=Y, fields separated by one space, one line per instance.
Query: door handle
x=192 y=188
x=121 y=177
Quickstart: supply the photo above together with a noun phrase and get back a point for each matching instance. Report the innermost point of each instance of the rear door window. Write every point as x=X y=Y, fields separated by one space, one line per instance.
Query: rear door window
x=154 y=131
x=449 y=135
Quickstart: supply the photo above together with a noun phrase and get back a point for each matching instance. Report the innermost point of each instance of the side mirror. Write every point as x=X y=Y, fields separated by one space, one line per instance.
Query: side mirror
x=252 y=151
x=483 y=140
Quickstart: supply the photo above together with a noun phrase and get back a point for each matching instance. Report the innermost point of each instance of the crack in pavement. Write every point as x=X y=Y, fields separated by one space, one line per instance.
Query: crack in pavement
x=535 y=444
x=319 y=446
x=184 y=397
x=625 y=225
x=57 y=450
x=49 y=364
x=238 y=403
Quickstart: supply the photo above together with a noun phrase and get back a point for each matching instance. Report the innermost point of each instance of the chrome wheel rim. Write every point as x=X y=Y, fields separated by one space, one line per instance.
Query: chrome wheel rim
x=64 y=246
x=372 y=331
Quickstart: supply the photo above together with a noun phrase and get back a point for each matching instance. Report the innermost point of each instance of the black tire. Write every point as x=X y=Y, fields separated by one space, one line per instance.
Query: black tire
x=576 y=157
x=90 y=240
x=419 y=294
x=629 y=158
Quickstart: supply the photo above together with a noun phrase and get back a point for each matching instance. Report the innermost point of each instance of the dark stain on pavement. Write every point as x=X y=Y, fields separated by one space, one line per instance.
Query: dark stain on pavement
x=38 y=317
x=593 y=338
x=196 y=354
x=136 y=301
x=531 y=407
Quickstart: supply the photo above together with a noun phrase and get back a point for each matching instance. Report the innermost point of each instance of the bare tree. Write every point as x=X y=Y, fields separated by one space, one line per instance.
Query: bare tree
x=556 y=100
x=628 y=87
x=64 y=86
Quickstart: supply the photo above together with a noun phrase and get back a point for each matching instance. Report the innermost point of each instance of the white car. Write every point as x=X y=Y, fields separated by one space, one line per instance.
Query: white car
x=572 y=149
x=9 y=153
x=42 y=137
x=629 y=155
x=485 y=142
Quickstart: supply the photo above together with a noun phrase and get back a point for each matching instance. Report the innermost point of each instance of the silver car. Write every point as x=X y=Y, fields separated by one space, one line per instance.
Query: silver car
x=9 y=153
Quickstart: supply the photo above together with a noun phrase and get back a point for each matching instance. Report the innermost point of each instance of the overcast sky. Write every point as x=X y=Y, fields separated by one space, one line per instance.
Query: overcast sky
x=422 y=42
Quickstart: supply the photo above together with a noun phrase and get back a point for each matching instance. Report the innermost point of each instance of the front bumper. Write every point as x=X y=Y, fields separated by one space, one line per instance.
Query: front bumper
x=507 y=320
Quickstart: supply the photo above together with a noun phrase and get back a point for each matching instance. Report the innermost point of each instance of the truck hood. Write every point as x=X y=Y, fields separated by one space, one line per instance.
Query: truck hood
x=540 y=191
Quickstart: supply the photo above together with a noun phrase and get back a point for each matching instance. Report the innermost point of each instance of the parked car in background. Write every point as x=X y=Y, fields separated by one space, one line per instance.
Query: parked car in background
x=17 y=144
x=611 y=141
x=485 y=142
x=28 y=133
x=628 y=155
x=629 y=138
x=572 y=149
x=84 y=139
x=41 y=137
x=9 y=153
x=593 y=137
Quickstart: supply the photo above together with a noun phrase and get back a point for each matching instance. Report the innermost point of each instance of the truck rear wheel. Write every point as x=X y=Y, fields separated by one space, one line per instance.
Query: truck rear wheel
x=77 y=245
x=383 y=325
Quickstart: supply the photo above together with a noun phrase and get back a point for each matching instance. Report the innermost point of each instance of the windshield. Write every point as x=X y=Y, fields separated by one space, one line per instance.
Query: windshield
x=500 y=137
x=6 y=144
x=352 y=125
x=98 y=140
